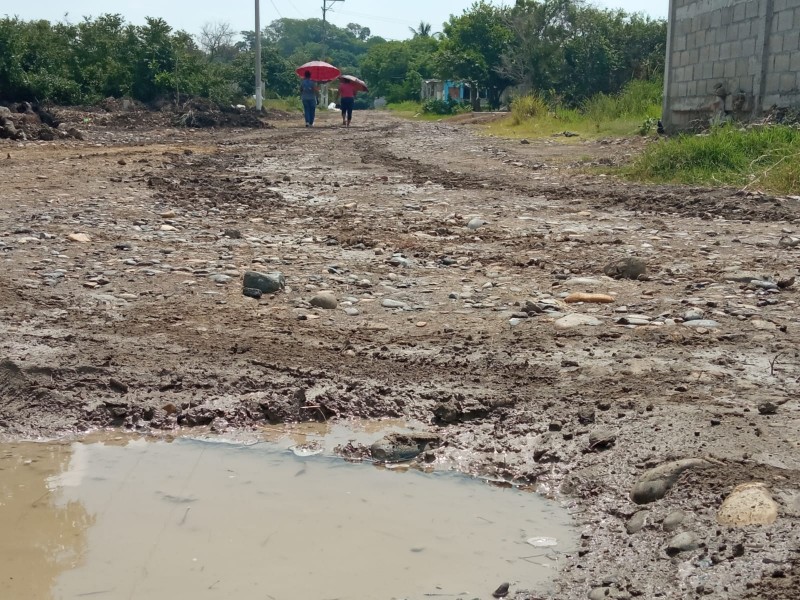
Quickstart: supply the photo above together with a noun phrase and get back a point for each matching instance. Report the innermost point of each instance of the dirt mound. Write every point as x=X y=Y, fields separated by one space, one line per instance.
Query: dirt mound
x=27 y=121
x=204 y=113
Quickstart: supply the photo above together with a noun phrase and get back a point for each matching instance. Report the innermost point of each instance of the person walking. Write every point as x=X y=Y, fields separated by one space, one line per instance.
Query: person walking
x=347 y=100
x=308 y=94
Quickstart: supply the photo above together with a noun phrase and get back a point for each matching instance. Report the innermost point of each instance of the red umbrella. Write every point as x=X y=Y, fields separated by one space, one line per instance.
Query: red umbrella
x=360 y=85
x=320 y=71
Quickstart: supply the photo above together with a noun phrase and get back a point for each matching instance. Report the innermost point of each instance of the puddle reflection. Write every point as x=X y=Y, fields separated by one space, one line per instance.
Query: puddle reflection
x=141 y=520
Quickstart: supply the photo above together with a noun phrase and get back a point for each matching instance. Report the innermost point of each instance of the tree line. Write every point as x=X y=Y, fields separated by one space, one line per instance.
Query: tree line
x=565 y=49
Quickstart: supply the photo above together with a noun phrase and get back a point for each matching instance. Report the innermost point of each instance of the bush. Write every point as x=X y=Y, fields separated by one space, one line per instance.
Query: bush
x=528 y=107
x=445 y=107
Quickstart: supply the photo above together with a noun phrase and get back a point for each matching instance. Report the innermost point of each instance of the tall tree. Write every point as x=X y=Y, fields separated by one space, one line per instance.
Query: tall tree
x=473 y=49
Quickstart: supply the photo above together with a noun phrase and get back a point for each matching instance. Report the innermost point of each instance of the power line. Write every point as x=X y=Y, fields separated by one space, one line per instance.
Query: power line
x=276 y=8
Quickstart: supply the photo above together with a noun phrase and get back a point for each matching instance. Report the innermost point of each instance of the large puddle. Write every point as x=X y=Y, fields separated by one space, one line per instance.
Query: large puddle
x=130 y=519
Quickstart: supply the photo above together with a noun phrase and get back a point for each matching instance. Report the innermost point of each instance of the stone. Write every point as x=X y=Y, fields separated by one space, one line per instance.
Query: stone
x=220 y=278
x=702 y=324
x=268 y=283
x=673 y=520
x=476 y=223
x=325 y=301
x=577 y=320
x=762 y=325
x=683 y=542
x=655 y=483
x=501 y=591
x=351 y=311
x=767 y=408
x=739 y=276
x=626 y=268
x=585 y=281
x=389 y=303
x=602 y=438
x=600 y=593
x=401 y=447
x=748 y=504
x=637 y=522
x=80 y=238
x=252 y=293
x=693 y=315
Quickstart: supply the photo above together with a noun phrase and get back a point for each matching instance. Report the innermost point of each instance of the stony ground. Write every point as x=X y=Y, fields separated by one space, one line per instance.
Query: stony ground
x=446 y=260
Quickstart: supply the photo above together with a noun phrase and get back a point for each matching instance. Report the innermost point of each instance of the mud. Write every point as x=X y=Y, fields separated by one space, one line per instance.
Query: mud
x=144 y=326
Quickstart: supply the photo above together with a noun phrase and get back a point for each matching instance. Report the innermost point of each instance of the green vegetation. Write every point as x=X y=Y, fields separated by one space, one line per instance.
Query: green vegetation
x=634 y=110
x=565 y=49
x=766 y=157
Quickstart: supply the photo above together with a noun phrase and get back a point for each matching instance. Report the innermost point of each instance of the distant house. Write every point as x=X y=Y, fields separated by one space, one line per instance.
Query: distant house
x=453 y=91
x=730 y=58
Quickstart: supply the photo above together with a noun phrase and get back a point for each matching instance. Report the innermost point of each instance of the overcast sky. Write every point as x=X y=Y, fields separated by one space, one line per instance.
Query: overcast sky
x=387 y=18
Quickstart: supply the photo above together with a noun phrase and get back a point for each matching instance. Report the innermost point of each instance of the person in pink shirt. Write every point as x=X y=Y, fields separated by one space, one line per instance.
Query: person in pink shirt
x=347 y=99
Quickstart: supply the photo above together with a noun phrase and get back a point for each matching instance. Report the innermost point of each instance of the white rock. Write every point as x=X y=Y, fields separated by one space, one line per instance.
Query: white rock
x=577 y=320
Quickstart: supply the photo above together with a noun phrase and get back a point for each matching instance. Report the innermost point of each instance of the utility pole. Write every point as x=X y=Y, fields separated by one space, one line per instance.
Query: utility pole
x=327 y=5
x=259 y=97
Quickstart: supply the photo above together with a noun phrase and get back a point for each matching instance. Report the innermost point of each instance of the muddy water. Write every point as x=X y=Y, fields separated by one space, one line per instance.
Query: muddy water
x=130 y=519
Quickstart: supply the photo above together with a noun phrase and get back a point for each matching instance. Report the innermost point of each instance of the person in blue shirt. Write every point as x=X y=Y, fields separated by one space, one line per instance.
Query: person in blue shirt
x=308 y=94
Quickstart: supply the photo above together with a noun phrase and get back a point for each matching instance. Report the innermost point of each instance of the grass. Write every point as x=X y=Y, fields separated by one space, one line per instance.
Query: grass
x=765 y=158
x=414 y=110
x=602 y=115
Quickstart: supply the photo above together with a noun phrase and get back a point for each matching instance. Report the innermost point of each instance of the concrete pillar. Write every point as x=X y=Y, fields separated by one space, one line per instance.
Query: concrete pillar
x=666 y=111
x=765 y=14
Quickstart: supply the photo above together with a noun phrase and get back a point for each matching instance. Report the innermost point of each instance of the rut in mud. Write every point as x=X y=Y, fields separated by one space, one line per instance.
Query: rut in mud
x=449 y=256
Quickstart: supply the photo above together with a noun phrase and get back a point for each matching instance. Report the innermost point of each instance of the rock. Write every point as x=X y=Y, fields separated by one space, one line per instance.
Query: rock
x=74 y=133
x=389 y=303
x=577 y=320
x=683 y=542
x=252 y=293
x=401 y=447
x=655 y=483
x=267 y=283
x=476 y=223
x=626 y=268
x=589 y=298
x=326 y=301
x=585 y=415
x=352 y=312
x=693 y=315
x=637 y=522
x=673 y=520
x=398 y=260
x=220 y=278
x=767 y=408
x=501 y=591
x=585 y=281
x=763 y=285
x=762 y=325
x=789 y=241
x=233 y=234
x=748 y=504
x=702 y=323
x=739 y=276
x=80 y=238
x=600 y=593
x=602 y=438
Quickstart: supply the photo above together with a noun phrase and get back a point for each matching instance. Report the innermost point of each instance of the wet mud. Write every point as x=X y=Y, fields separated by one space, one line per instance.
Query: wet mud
x=446 y=260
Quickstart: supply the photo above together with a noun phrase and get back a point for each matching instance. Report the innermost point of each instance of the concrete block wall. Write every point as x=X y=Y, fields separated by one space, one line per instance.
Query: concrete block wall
x=730 y=56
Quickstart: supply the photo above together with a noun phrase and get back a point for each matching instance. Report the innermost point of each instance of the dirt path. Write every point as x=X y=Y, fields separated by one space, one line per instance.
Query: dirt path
x=145 y=326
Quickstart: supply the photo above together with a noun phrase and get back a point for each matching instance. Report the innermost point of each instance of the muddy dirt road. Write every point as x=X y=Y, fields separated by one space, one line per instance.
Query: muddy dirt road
x=427 y=273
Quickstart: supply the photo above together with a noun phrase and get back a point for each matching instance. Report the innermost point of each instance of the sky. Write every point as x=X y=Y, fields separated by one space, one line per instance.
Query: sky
x=387 y=18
